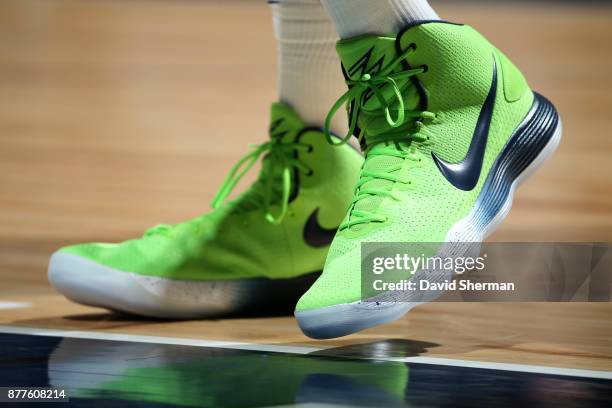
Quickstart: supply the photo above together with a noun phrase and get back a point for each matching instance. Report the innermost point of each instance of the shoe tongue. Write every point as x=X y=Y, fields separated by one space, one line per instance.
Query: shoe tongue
x=370 y=55
x=285 y=123
x=285 y=126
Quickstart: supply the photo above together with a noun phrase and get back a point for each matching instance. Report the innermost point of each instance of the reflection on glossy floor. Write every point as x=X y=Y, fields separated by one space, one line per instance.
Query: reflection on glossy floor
x=113 y=374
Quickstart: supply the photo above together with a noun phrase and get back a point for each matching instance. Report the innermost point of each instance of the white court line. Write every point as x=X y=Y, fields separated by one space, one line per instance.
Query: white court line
x=90 y=335
x=14 y=305
x=523 y=368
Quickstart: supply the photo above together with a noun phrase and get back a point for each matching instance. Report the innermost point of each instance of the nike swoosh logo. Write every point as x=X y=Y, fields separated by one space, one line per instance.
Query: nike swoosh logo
x=465 y=175
x=315 y=235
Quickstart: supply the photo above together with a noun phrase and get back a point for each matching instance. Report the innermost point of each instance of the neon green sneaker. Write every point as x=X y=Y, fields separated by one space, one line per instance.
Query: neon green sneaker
x=450 y=128
x=263 y=248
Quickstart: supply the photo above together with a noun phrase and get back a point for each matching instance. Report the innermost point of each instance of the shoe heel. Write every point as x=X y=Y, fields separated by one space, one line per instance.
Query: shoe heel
x=533 y=142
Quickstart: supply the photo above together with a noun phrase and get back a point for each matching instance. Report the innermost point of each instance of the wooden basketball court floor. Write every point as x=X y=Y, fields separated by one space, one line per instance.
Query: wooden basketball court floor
x=119 y=115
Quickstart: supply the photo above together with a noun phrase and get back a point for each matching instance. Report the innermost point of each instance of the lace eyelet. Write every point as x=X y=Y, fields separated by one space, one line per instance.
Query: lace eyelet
x=412 y=46
x=425 y=68
x=310 y=173
x=310 y=149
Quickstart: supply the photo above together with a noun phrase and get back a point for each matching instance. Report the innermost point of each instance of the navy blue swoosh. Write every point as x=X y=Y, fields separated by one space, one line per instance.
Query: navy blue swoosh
x=315 y=235
x=465 y=175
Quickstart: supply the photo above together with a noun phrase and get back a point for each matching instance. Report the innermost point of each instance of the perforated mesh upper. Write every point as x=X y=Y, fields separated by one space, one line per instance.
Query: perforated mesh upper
x=235 y=240
x=459 y=78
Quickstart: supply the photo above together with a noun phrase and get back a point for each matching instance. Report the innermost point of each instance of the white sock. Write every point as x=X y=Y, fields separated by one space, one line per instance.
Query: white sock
x=310 y=77
x=383 y=17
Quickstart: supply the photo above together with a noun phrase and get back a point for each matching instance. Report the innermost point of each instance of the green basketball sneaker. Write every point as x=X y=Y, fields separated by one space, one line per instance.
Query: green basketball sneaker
x=450 y=128
x=263 y=248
